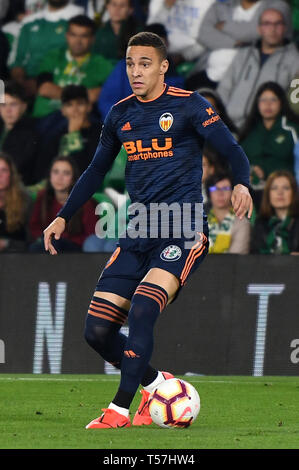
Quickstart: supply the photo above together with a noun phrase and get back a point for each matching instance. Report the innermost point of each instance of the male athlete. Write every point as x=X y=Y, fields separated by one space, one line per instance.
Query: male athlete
x=163 y=130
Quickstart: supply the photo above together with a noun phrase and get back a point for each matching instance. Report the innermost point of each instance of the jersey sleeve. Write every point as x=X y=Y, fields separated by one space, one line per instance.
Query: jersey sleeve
x=209 y=126
x=90 y=181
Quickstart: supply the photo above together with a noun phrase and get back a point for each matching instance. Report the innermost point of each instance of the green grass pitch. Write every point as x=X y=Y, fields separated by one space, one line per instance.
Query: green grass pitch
x=51 y=411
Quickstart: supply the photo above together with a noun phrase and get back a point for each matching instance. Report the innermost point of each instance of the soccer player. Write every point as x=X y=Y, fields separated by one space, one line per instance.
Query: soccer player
x=163 y=130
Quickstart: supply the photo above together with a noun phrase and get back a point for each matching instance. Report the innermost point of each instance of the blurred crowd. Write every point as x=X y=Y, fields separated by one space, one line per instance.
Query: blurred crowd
x=63 y=67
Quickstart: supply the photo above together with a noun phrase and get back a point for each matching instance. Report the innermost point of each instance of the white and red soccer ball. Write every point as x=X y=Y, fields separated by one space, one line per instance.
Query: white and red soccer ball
x=174 y=403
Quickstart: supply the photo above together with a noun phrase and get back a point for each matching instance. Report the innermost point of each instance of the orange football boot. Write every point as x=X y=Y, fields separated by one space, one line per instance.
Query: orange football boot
x=109 y=419
x=142 y=415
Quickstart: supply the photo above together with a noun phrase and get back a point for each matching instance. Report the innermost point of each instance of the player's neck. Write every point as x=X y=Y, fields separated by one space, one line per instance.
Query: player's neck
x=154 y=94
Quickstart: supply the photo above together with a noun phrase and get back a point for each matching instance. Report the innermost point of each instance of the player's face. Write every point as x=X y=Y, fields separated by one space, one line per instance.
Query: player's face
x=61 y=176
x=11 y=110
x=269 y=105
x=220 y=194
x=281 y=193
x=4 y=175
x=79 y=39
x=145 y=70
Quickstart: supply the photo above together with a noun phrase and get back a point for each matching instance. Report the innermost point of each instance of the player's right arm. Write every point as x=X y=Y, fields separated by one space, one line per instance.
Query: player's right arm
x=88 y=183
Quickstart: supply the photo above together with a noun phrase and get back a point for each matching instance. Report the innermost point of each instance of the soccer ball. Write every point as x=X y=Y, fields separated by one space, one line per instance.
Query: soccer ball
x=174 y=404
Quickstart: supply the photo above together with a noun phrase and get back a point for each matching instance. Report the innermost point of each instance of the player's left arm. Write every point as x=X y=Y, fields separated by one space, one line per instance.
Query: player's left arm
x=209 y=125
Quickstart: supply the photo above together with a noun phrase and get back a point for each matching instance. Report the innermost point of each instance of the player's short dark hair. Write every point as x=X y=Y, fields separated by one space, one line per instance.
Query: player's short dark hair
x=15 y=89
x=74 y=92
x=83 y=21
x=149 y=39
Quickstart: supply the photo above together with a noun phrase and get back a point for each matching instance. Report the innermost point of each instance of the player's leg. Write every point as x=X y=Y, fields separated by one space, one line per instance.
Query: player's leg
x=107 y=312
x=180 y=263
x=148 y=301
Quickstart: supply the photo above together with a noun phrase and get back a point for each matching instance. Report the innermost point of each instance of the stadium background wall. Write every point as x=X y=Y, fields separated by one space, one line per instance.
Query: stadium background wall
x=236 y=315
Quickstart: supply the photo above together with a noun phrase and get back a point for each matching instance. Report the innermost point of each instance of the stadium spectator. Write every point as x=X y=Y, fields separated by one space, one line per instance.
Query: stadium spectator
x=182 y=19
x=79 y=138
x=73 y=64
x=40 y=33
x=113 y=192
x=15 y=204
x=62 y=176
x=211 y=164
x=227 y=233
x=3 y=9
x=4 y=48
x=227 y=26
x=18 y=136
x=112 y=37
x=273 y=57
x=117 y=85
x=270 y=134
x=12 y=28
x=276 y=229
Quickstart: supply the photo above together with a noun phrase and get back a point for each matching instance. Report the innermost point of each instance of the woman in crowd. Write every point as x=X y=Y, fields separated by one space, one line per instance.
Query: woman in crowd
x=270 y=134
x=62 y=177
x=15 y=206
x=228 y=234
x=276 y=228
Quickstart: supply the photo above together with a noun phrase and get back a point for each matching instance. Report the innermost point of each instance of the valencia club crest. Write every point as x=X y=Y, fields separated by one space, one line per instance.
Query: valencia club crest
x=166 y=121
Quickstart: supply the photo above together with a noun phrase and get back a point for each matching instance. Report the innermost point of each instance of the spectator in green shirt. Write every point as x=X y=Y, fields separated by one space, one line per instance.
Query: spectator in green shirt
x=270 y=133
x=112 y=37
x=40 y=33
x=75 y=64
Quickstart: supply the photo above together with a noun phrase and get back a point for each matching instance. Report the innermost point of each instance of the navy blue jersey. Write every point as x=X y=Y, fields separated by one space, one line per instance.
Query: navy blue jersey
x=163 y=139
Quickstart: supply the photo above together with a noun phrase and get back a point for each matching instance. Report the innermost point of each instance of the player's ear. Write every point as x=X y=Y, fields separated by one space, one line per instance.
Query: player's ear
x=164 y=66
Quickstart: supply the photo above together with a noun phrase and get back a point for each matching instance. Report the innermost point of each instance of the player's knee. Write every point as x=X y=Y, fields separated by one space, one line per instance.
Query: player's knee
x=96 y=334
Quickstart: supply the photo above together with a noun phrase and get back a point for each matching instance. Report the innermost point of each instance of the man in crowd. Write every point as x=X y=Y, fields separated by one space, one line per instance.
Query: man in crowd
x=273 y=57
x=41 y=32
x=75 y=64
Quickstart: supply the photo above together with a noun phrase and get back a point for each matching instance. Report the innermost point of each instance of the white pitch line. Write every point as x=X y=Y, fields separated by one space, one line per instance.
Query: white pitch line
x=116 y=379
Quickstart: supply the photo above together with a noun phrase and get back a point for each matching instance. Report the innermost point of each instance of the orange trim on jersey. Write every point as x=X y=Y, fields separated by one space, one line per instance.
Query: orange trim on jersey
x=179 y=90
x=125 y=99
x=195 y=256
x=161 y=296
x=195 y=251
x=153 y=99
x=113 y=257
x=178 y=94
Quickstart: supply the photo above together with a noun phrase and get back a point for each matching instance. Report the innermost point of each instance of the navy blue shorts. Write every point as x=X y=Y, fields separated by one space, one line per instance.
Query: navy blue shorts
x=126 y=268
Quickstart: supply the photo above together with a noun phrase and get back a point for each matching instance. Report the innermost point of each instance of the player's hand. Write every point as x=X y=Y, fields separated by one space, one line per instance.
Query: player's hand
x=242 y=201
x=55 y=229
